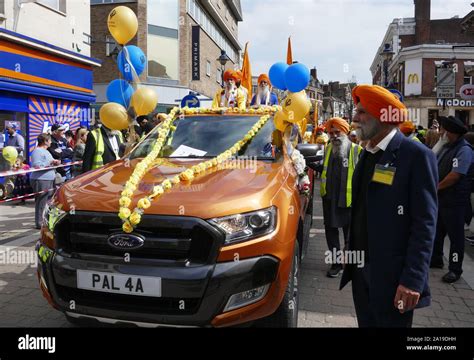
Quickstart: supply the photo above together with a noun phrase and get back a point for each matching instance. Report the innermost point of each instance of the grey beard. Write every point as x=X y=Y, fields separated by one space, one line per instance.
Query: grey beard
x=340 y=150
x=368 y=130
x=440 y=144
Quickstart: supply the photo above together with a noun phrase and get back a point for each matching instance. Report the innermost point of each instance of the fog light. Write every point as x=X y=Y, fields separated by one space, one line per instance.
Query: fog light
x=246 y=298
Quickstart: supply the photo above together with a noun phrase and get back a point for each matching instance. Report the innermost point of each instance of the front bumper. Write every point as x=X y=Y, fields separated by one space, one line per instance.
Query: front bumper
x=191 y=296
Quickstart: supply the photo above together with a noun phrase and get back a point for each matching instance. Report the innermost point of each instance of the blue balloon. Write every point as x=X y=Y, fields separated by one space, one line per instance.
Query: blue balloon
x=297 y=77
x=136 y=60
x=120 y=92
x=277 y=75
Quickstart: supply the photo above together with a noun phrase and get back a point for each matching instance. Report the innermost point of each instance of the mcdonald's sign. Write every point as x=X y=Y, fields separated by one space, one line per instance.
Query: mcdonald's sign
x=413 y=79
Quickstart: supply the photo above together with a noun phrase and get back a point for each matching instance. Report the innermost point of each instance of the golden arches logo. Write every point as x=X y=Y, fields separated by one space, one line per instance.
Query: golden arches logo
x=413 y=79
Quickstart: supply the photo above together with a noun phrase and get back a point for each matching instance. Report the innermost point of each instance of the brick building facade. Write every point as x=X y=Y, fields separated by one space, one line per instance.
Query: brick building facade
x=410 y=55
x=167 y=43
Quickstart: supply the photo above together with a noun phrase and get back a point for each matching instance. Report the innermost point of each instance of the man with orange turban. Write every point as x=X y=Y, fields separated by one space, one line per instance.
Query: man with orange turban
x=243 y=89
x=264 y=95
x=409 y=130
x=230 y=96
x=340 y=159
x=393 y=218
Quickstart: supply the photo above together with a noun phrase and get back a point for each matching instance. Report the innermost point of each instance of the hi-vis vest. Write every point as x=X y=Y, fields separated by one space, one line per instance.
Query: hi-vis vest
x=353 y=160
x=99 y=149
x=415 y=138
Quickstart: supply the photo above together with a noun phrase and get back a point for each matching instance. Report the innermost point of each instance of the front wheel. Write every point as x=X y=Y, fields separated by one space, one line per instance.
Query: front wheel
x=286 y=315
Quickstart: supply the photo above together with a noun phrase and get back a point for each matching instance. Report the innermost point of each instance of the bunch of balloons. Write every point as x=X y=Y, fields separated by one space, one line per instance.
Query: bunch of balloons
x=123 y=94
x=296 y=106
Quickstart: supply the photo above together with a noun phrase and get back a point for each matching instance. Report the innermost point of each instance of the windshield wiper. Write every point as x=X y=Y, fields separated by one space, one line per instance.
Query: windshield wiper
x=190 y=157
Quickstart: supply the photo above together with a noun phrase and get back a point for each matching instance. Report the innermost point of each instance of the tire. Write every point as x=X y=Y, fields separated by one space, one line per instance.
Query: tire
x=286 y=315
x=3 y=192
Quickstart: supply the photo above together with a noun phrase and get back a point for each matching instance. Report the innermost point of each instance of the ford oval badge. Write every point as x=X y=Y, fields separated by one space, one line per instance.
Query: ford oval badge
x=125 y=241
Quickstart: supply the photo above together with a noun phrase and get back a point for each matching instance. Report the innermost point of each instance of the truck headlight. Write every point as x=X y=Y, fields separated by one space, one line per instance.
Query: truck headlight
x=244 y=227
x=52 y=215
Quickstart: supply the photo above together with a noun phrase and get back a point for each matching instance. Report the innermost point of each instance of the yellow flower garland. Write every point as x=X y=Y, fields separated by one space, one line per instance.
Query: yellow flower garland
x=132 y=219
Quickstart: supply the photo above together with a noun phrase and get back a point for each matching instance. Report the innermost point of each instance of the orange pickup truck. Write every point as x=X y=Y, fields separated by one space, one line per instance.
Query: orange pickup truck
x=222 y=250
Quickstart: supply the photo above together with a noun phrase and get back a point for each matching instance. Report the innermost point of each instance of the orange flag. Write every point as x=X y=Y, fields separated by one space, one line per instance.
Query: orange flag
x=289 y=54
x=247 y=74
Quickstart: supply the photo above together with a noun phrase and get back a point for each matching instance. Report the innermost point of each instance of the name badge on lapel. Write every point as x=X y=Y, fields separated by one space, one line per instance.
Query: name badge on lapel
x=384 y=174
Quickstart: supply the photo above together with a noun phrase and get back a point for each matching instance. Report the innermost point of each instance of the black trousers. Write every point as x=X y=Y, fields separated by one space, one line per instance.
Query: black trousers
x=451 y=222
x=332 y=237
x=367 y=316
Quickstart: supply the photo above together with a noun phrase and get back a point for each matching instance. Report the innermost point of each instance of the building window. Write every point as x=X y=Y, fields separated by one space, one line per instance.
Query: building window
x=219 y=76
x=163 y=13
x=58 y=5
x=208 y=68
x=467 y=78
x=2 y=7
x=163 y=35
x=111 y=46
x=203 y=19
x=163 y=63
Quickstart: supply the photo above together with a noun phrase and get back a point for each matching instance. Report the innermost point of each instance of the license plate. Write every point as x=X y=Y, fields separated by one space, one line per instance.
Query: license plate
x=119 y=284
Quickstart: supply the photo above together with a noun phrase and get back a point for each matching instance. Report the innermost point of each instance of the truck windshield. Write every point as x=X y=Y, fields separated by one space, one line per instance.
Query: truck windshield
x=209 y=136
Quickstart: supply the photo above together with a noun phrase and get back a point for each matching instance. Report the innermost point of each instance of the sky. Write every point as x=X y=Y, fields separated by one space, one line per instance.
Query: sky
x=338 y=37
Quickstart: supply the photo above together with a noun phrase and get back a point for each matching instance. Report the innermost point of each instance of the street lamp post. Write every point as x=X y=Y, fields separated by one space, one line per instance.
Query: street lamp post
x=223 y=60
x=386 y=55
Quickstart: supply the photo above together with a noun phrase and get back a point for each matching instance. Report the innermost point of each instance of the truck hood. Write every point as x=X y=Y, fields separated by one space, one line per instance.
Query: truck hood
x=214 y=193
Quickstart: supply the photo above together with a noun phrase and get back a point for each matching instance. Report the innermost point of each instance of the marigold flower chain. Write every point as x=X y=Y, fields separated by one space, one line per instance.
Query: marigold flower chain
x=131 y=219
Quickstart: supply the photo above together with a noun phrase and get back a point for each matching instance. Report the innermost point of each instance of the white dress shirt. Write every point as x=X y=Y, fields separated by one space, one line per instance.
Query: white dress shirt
x=382 y=145
x=115 y=145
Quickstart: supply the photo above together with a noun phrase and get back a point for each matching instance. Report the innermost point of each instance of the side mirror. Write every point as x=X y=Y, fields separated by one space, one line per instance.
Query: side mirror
x=310 y=152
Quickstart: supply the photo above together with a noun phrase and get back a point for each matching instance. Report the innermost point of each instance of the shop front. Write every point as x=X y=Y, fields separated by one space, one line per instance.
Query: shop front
x=41 y=85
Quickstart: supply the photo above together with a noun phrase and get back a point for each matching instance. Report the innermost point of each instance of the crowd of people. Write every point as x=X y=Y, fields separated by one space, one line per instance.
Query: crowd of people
x=395 y=191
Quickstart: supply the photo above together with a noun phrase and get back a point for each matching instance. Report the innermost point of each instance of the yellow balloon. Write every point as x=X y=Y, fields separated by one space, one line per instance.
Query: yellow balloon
x=10 y=154
x=123 y=24
x=114 y=116
x=280 y=120
x=144 y=101
x=296 y=105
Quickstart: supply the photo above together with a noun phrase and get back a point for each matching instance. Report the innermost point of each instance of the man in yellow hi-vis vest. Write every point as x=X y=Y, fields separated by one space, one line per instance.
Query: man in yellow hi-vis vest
x=102 y=147
x=340 y=160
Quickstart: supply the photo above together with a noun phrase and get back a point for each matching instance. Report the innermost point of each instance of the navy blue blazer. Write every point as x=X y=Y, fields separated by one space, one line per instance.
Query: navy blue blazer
x=401 y=223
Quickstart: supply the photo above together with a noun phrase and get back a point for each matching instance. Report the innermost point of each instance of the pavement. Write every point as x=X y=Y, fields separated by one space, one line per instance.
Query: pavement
x=321 y=302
